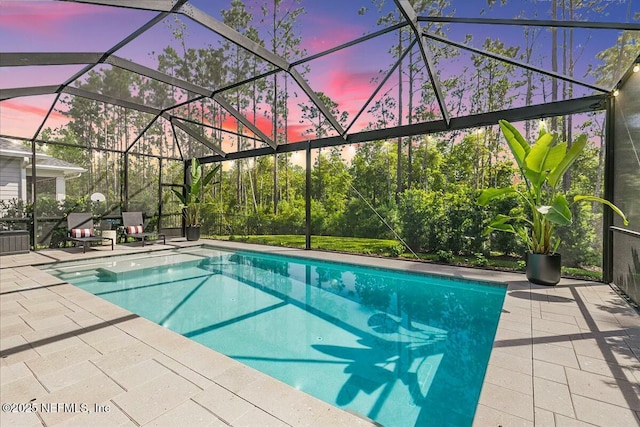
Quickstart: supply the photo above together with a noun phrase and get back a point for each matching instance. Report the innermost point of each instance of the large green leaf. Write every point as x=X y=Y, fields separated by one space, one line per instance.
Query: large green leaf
x=519 y=147
x=196 y=170
x=559 y=212
x=538 y=154
x=210 y=175
x=556 y=174
x=508 y=228
x=491 y=193
x=604 y=202
x=180 y=196
x=554 y=157
x=536 y=178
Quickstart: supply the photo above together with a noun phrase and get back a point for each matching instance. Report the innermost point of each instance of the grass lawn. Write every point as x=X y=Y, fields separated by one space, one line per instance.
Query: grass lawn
x=393 y=248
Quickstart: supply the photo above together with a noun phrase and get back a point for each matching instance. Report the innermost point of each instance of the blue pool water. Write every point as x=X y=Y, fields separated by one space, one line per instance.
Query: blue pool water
x=401 y=349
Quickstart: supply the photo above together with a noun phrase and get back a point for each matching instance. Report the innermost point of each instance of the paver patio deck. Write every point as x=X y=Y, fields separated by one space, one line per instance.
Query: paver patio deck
x=563 y=356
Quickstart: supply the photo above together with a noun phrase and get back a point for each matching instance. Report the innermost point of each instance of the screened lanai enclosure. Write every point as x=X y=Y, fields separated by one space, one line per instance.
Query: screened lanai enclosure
x=366 y=126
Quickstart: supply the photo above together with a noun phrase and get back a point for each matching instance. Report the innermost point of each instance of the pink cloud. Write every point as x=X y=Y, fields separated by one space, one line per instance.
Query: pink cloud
x=44 y=17
x=31 y=109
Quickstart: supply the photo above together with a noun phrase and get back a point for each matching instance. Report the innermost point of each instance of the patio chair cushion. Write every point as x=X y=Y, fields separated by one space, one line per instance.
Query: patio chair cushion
x=135 y=229
x=81 y=232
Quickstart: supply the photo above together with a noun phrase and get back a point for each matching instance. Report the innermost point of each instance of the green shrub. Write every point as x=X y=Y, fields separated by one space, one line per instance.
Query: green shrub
x=395 y=250
x=445 y=256
x=481 y=260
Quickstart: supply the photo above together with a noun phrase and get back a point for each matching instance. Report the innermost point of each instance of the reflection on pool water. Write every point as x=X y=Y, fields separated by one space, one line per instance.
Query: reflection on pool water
x=401 y=349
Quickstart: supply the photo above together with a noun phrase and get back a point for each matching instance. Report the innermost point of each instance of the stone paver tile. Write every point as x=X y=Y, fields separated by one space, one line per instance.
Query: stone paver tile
x=515 y=326
x=184 y=371
x=226 y=405
x=517 y=348
x=562 y=421
x=555 y=354
x=602 y=414
x=13 y=371
x=104 y=414
x=238 y=377
x=544 y=418
x=65 y=377
x=17 y=328
x=8 y=320
x=22 y=390
x=561 y=318
x=279 y=400
x=606 y=326
x=556 y=327
x=61 y=359
x=108 y=339
x=12 y=308
x=51 y=341
x=490 y=417
x=523 y=312
x=552 y=396
x=187 y=414
x=591 y=348
x=517 y=315
x=561 y=340
x=15 y=349
x=166 y=341
x=603 y=367
x=5 y=298
x=138 y=327
x=606 y=389
x=513 y=336
x=81 y=316
x=507 y=400
x=201 y=359
x=509 y=379
x=154 y=398
x=26 y=419
x=39 y=312
x=512 y=363
x=124 y=357
x=549 y=371
x=139 y=374
x=40 y=304
x=85 y=394
x=338 y=418
x=257 y=417
x=564 y=309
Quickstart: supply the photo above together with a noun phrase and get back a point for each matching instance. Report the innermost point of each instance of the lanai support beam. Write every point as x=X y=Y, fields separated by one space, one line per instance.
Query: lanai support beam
x=630 y=26
x=412 y=18
x=571 y=106
x=17 y=92
x=111 y=100
x=192 y=133
x=512 y=61
x=157 y=5
x=26 y=59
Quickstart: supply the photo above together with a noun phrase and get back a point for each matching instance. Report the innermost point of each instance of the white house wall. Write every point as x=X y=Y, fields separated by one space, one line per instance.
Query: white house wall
x=12 y=178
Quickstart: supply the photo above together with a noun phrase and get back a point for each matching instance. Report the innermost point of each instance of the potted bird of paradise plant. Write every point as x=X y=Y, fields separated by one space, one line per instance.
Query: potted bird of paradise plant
x=194 y=196
x=545 y=206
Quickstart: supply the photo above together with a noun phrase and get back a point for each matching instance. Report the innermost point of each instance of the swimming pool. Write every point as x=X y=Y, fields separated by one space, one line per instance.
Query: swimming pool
x=401 y=349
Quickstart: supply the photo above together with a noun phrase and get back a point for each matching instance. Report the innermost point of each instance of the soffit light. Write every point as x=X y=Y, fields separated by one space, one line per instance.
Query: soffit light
x=636 y=68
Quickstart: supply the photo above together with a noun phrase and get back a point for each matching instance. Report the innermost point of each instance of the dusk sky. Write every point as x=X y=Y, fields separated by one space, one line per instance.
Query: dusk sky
x=347 y=76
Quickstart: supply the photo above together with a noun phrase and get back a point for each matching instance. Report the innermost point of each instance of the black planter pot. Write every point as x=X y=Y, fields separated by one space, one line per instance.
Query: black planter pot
x=544 y=269
x=193 y=234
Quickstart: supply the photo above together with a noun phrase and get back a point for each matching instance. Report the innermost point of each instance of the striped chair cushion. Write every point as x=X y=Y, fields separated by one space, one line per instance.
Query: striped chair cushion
x=135 y=229
x=81 y=232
